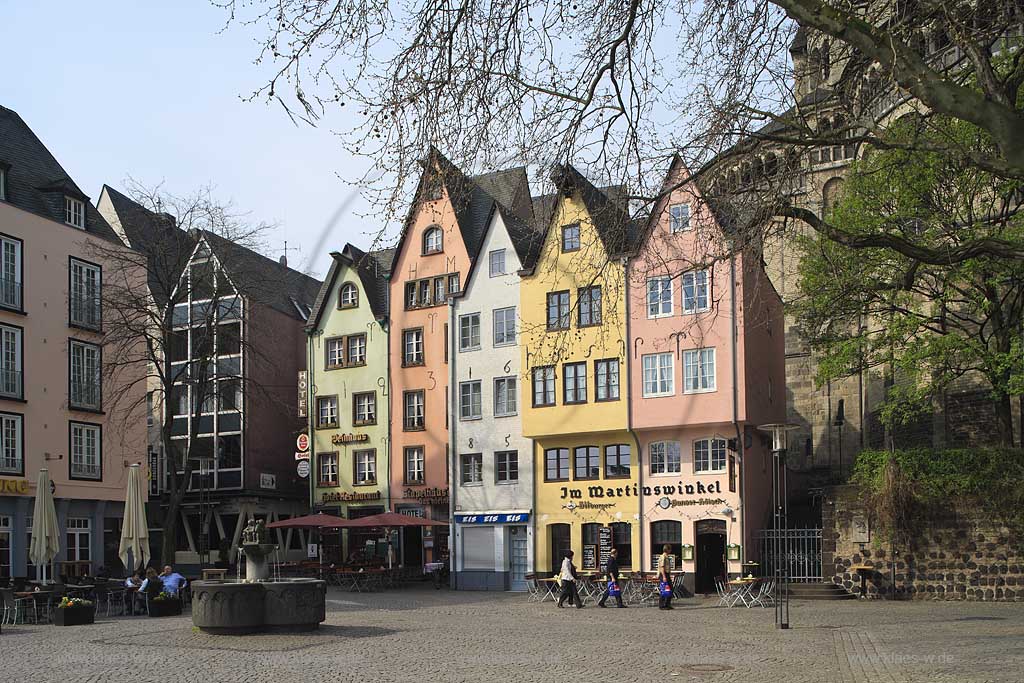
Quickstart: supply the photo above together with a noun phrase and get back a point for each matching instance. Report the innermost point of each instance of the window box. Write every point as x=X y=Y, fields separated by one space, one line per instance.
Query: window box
x=167 y=607
x=75 y=616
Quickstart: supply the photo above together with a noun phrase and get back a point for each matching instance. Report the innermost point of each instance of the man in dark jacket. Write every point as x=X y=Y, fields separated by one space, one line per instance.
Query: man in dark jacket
x=611 y=570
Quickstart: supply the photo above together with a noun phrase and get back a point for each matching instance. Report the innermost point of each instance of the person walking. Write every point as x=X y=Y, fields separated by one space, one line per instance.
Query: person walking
x=568 y=577
x=611 y=570
x=665 y=578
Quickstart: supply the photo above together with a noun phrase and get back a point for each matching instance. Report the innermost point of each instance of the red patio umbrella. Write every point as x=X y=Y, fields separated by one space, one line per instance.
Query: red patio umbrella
x=317 y=521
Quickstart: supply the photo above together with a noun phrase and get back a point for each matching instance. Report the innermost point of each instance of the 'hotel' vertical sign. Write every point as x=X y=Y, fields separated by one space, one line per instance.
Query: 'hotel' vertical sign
x=303 y=393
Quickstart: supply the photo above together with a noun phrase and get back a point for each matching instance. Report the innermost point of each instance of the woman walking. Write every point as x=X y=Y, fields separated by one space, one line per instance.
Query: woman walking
x=568 y=577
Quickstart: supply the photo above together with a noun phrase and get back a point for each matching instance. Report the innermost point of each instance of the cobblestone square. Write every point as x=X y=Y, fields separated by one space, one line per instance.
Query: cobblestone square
x=426 y=635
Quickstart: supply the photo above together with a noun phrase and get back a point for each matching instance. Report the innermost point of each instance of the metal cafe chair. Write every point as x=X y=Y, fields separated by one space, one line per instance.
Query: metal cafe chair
x=724 y=597
x=532 y=588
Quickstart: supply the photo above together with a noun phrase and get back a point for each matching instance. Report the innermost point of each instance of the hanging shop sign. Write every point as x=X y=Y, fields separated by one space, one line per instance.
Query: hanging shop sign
x=347 y=496
x=15 y=486
x=302 y=468
x=303 y=386
x=500 y=518
x=302 y=456
x=432 y=495
x=302 y=442
x=633 y=491
x=338 y=439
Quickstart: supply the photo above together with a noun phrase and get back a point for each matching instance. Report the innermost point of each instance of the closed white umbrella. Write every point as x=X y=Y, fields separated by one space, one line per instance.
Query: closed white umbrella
x=45 y=533
x=134 y=529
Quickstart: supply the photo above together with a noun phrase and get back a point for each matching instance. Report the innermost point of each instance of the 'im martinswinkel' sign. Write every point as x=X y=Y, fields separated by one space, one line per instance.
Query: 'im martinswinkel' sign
x=633 y=490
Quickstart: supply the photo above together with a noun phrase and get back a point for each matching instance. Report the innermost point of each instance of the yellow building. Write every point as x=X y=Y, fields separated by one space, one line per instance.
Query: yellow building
x=574 y=356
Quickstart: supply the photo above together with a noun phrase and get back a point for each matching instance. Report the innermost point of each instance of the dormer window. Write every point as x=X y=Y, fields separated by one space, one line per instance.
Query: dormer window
x=433 y=240
x=679 y=217
x=348 y=296
x=74 y=212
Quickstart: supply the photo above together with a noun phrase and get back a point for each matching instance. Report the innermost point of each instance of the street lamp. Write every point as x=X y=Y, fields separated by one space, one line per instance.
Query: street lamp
x=780 y=507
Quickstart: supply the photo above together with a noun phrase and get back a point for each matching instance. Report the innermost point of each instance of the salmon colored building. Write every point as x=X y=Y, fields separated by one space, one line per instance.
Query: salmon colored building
x=441 y=237
x=706 y=356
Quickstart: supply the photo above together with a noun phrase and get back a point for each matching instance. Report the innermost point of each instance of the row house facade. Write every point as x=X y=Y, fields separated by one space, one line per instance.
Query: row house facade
x=60 y=409
x=350 y=449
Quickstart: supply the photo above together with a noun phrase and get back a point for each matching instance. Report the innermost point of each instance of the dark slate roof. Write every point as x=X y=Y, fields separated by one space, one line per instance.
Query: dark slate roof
x=511 y=189
x=609 y=214
x=167 y=247
x=36 y=182
x=373 y=269
x=265 y=280
x=525 y=236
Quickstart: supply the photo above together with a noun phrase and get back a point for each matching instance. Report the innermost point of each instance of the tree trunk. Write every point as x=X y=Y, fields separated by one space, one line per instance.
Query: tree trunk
x=169 y=542
x=1004 y=419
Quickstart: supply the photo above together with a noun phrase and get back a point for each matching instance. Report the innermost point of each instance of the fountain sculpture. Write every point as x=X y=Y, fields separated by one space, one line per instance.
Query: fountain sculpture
x=258 y=603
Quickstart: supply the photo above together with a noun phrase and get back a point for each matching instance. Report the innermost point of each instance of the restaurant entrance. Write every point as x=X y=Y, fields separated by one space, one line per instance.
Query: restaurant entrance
x=710 y=560
x=561 y=541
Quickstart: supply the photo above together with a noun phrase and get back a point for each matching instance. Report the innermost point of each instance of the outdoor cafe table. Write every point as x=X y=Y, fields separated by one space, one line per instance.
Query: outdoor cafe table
x=742 y=590
x=552 y=585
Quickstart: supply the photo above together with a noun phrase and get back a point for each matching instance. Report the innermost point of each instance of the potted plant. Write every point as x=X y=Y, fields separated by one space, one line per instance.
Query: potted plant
x=74 y=612
x=164 y=605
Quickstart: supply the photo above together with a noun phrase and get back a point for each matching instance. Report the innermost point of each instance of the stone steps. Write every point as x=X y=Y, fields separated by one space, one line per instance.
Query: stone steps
x=819 y=591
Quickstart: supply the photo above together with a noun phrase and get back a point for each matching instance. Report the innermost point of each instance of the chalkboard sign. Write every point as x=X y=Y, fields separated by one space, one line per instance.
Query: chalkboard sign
x=604 y=539
x=655 y=559
x=590 y=557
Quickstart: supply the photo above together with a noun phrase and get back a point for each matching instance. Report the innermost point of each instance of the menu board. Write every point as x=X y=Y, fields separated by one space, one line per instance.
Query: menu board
x=590 y=557
x=604 y=539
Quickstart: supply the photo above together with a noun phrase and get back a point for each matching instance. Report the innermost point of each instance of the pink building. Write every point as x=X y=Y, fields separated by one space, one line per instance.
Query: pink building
x=707 y=366
x=58 y=408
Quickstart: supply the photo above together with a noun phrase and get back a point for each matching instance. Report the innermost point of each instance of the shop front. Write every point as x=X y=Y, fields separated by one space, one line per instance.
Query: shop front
x=493 y=550
x=421 y=545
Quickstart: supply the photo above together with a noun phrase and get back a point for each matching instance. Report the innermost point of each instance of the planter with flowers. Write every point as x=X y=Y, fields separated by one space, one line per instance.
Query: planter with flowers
x=74 y=612
x=164 y=605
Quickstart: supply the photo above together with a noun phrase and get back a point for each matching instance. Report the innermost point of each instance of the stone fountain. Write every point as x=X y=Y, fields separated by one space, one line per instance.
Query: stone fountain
x=258 y=603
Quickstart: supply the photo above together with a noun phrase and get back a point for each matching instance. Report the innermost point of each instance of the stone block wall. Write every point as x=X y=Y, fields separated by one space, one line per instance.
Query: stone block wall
x=958 y=554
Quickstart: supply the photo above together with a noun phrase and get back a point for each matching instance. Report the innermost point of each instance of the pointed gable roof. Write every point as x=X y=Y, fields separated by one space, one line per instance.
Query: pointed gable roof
x=607 y=209
x=373 y=269
x=36 y=182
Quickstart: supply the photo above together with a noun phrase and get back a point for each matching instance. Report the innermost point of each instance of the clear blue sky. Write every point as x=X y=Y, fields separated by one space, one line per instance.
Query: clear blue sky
x=117 y=88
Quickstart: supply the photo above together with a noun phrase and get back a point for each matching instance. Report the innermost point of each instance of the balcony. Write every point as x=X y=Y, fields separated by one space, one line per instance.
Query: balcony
x=10 y=383
x=10 y=294
x=85 y=470
x=86 y=395
x=85 y=312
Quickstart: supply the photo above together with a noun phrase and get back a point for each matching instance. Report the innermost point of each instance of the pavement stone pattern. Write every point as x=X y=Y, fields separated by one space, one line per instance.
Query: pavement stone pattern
x=424 y=635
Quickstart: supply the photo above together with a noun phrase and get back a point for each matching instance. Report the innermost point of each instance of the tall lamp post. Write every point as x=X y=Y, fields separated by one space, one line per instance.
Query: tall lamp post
x=780 y=508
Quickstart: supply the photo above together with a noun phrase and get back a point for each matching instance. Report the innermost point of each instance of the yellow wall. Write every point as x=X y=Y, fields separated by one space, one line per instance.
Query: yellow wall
x=592 y=423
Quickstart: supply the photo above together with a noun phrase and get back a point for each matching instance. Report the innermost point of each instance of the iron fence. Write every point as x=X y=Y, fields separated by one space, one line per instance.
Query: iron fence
x=800 y=553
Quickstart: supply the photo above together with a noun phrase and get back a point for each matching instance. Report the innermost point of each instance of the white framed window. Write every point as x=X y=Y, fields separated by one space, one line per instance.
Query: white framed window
x=505 y=396
x=412 y=347
x=11 y=450
x=10 y=273
x=659 y=374
x=84 y=297
x=659 y=297
x=679 y=217
x=571 y=237
x=496 y=263
x=607 y=379
x=328 y=469
x=74 y=212
x=414 y=473
x=366 y=467
x=544 y=386
x=558 y=310
x=574 y=383
x=364 y=408
x=85 y=451
x=506 y=466
x=695 y=291
x=470 y=400
x=86 y=390
x=709 y=455
x=348 y=296
x=327 y=411
x=469 y=332
x=414 y=410
x=79 y=537
x=10 y=361
x=698 y=370
x=504 y=326
x=433 y=240
x=665 y=457
x=356 y=351
x=472 y=468
x=336 y=352
x=589 y=299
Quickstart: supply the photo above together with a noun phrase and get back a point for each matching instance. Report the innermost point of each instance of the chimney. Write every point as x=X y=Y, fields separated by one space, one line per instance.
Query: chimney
x=283 y=260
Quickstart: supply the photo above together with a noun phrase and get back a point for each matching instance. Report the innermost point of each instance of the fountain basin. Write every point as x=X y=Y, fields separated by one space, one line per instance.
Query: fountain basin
x=236 y=608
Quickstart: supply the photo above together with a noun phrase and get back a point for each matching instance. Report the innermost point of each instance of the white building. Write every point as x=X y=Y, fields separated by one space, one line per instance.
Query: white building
x=492 y=465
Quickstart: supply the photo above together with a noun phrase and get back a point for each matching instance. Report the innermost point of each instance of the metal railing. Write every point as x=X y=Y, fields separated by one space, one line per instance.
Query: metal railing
x=10 y=383
x=85 y=311
x=85 y=394
x=9 y=465
x=800 y=553
x=10 y=293
x=86 y=470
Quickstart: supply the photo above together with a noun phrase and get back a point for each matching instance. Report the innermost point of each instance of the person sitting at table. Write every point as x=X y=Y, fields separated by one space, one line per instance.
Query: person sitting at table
x=172 y=580
x=568 y=577
x=611 y=570
x=152 y=585
x=134 y=581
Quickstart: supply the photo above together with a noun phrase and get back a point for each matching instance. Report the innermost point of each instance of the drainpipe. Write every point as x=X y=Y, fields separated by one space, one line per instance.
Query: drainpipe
x=735 y=409
x=629 y=421
x=453 y=475
x=310 y=383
